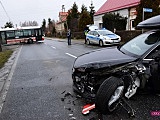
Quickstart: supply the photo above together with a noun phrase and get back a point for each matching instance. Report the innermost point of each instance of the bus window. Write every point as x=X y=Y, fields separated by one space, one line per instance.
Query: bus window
x=3 y=37
x=40 y=32
x=32 y=32
x=10 y=34
x=27 y=32
x=19 y=33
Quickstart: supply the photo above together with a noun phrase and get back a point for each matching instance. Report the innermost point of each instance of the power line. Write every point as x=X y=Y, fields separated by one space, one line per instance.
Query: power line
x=5 y=11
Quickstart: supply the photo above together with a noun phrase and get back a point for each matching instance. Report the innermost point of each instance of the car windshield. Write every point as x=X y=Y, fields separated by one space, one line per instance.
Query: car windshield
x=140 y=44
x=105 y=32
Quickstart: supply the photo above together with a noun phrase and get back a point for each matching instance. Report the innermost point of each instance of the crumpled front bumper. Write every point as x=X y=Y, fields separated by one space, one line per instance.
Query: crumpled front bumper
x=85 y=95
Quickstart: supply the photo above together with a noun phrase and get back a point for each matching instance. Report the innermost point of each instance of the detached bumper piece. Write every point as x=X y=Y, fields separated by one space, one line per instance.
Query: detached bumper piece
x=87 y=108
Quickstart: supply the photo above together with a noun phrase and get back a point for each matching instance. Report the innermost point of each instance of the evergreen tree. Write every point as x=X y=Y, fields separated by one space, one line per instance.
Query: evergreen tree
x=85 y=18
x=8 y=24
x=111 y=21
x=154 y=5
x=49 y=24
x=74 y=11
x=83 y=8
x=44 y=25
x=72 y=18
x=92 y=11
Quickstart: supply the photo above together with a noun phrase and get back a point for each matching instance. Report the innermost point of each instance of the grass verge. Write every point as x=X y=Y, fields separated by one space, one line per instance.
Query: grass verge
x=4 y=56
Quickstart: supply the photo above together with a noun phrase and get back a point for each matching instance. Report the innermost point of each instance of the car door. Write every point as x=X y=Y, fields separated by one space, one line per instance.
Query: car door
x=92 y=37
x=153 y=66
x=96 y=37
x=151 y=56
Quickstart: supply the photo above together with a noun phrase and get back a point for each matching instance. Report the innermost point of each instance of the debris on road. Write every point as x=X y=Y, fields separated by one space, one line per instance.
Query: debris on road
x=50 y=79
x=70 y=114
x=63 y=92
x=87 y=108
x=78 y=96
x=73 y=118
x=68 y=94
x=62 y=99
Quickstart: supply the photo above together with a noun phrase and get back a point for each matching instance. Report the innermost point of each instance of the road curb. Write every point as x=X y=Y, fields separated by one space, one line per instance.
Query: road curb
x=4 y=71
x=5 y=76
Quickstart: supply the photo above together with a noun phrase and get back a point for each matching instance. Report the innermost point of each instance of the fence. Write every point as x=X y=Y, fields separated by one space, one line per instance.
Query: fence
x=125 y=35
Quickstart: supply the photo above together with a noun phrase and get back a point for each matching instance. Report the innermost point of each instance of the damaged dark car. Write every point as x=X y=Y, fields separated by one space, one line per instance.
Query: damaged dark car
x=107 y=75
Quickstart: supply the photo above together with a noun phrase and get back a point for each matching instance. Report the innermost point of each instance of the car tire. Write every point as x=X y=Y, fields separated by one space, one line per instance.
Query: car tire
x=100 y=43
x=106 y=93
x=88 y=42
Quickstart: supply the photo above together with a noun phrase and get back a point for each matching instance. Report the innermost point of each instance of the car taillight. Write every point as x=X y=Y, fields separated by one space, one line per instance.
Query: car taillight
x=42 y=38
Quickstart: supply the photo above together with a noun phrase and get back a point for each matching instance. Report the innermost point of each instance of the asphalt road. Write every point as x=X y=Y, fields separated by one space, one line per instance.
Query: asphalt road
x=41 y=87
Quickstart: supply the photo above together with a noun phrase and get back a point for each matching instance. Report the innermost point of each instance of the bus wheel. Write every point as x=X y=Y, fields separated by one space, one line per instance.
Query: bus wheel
x=30 y=41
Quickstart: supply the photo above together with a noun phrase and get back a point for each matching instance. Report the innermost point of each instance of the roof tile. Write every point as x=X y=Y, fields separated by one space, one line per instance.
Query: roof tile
x=112 y=5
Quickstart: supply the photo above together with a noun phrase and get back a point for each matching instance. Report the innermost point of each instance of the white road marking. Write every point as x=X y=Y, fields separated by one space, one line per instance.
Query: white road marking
x=53 y=47
x=71 y=55
x=45 y=43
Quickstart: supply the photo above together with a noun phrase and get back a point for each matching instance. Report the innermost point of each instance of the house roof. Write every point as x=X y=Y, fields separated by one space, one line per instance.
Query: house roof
x=113 y=5
x=63 y=13
x=62 y=17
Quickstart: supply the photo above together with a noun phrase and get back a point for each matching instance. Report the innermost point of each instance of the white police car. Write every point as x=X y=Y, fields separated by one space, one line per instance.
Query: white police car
x=102 y=37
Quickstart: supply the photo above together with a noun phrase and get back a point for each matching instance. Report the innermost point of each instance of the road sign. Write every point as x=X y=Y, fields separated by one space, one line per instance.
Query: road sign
x=147 y=10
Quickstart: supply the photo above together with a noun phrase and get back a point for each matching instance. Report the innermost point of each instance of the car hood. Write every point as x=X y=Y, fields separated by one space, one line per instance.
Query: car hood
x=111 y=36
x=101 y=58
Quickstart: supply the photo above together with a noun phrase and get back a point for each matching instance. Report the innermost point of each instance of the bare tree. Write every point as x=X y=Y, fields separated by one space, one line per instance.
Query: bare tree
x=29 y=23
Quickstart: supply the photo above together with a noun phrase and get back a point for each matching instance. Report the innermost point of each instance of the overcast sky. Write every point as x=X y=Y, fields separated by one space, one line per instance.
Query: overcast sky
x=37 y=10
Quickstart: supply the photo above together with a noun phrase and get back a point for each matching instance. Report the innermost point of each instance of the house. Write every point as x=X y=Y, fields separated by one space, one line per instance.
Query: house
x=126 y=8
x=62 y=20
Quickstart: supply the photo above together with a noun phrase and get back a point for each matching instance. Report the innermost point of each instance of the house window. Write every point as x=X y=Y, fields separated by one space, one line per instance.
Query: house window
x=100 y=25
x=132 y=25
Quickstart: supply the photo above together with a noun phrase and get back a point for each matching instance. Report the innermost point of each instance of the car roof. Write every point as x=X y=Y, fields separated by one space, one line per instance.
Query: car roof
x=101 y=30
x=151 y=23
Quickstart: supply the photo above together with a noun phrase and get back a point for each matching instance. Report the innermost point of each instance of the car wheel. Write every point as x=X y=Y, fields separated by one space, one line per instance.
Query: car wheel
x=101 y=43
x=109 y=94
x=88 y=42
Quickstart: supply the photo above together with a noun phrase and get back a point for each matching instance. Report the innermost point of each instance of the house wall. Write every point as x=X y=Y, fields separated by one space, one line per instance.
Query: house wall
x=98 y=21
x=60 y=27
x=132 y=17
x=130 y=13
